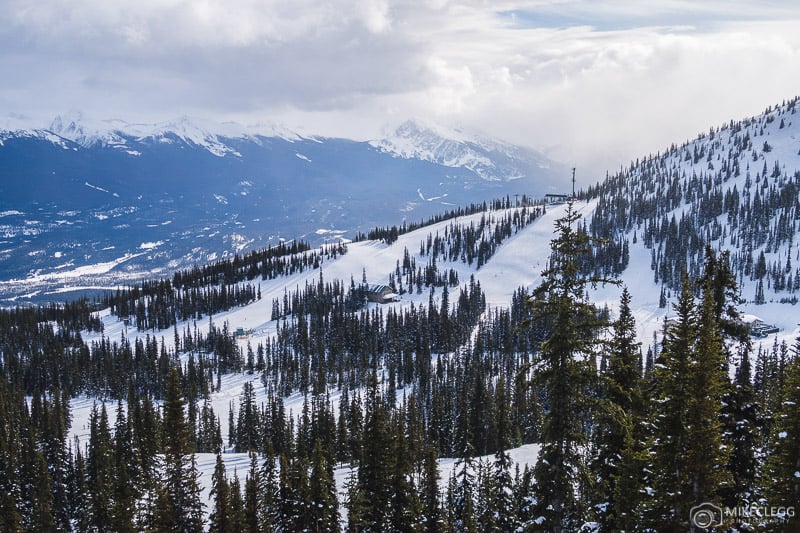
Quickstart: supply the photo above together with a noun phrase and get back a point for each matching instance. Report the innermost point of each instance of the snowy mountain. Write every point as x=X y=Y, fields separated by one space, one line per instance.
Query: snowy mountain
x=291 y=344
x=491 y=160
x=78 y=196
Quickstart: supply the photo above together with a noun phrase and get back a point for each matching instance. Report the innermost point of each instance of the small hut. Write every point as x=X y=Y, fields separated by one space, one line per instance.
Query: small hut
x=381 y=294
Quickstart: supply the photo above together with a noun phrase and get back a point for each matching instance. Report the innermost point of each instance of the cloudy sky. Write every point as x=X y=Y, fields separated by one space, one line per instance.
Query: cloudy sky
x=591 y=83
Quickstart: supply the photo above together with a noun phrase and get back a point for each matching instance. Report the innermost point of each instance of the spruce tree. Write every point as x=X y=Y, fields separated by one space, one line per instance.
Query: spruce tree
x=100 y=469
x=219 y=519
x=566 y=370
x=618 y=424
x=405 y=512
x=783 y=465
x=461 y=494
x=690 y=461
x=324 y=508
x=430 y=495
x=179 y=507
x=253 y=487
x=268 y=506
x=370 y=505
x=743 y=416
x=707 y=458
x=499 y=496
x=668 y=506
x=123 y=485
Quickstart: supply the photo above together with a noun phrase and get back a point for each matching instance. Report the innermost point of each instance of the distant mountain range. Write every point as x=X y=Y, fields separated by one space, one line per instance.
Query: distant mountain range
x=114 y=201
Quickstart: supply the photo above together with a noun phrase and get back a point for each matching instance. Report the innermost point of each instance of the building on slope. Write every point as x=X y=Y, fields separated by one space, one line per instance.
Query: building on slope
x=381 y=294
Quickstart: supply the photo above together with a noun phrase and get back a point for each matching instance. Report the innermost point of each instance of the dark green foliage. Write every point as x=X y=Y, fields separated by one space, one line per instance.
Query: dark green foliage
x=219 y=518
x=782 y=484
x=616 y=459
x=566 y=370
x=178 y=507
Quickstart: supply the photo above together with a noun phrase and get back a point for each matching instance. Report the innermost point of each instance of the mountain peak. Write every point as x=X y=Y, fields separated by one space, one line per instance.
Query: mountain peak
x=454 y=147
x=208 y=134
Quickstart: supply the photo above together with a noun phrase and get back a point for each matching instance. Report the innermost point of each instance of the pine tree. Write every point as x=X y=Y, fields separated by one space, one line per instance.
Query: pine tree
x=707 y=458
x=619 y=416
x=430 y=495
x=220 y=491
x=566 y=371
x=253 y=486
x=179 y=507
x=668 y=507
x=324 y=508
x=370 y=505
x=783 y=464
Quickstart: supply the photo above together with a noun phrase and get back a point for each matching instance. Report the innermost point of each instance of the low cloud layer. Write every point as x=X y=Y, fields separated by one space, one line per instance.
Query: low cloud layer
x=592 y=85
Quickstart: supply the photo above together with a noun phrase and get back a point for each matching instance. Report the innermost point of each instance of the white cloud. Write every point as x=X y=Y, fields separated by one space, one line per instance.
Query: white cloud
x=597 y=83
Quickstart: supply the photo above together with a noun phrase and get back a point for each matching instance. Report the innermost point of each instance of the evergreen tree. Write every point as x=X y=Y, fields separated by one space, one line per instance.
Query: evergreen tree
x=41 y=496
x=618 y=418
x=219 y=519
x=253 y=488
x=324 y=508
x=100 y=469
x=669 y=506
x=741 y=431
x=123 y=486
x=707 y=458
x=566 y=371
x=430 y=495
x=405 y=512
x=461 y=494
x=237 y=518
x=267 y=501
x=690 y=462
x=500 y=510
x=783 y=464
x=179 y=507
x=370 y=505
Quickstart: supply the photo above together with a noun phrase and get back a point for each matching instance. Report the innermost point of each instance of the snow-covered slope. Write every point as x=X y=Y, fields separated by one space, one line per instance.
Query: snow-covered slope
x=517 y=263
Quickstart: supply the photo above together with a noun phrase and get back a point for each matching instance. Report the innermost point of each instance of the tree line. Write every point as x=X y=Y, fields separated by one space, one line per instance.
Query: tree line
x=627 y=440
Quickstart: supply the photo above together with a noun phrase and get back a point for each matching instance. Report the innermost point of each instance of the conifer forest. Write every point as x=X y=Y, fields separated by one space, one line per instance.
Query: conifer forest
x=629 y=434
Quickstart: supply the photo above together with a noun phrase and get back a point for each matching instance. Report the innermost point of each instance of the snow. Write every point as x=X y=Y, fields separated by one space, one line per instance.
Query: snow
x=86 y=132
x=418 y=139
x=95 y=187
x=64 y=275
x=517 y=263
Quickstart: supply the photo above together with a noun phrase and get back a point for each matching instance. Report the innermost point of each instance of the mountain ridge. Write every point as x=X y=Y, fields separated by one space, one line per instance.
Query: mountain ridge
x=84 y=194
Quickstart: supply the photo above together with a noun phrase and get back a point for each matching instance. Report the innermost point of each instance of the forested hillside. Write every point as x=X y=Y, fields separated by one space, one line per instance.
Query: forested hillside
x=736 y=188
x=503 y=336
